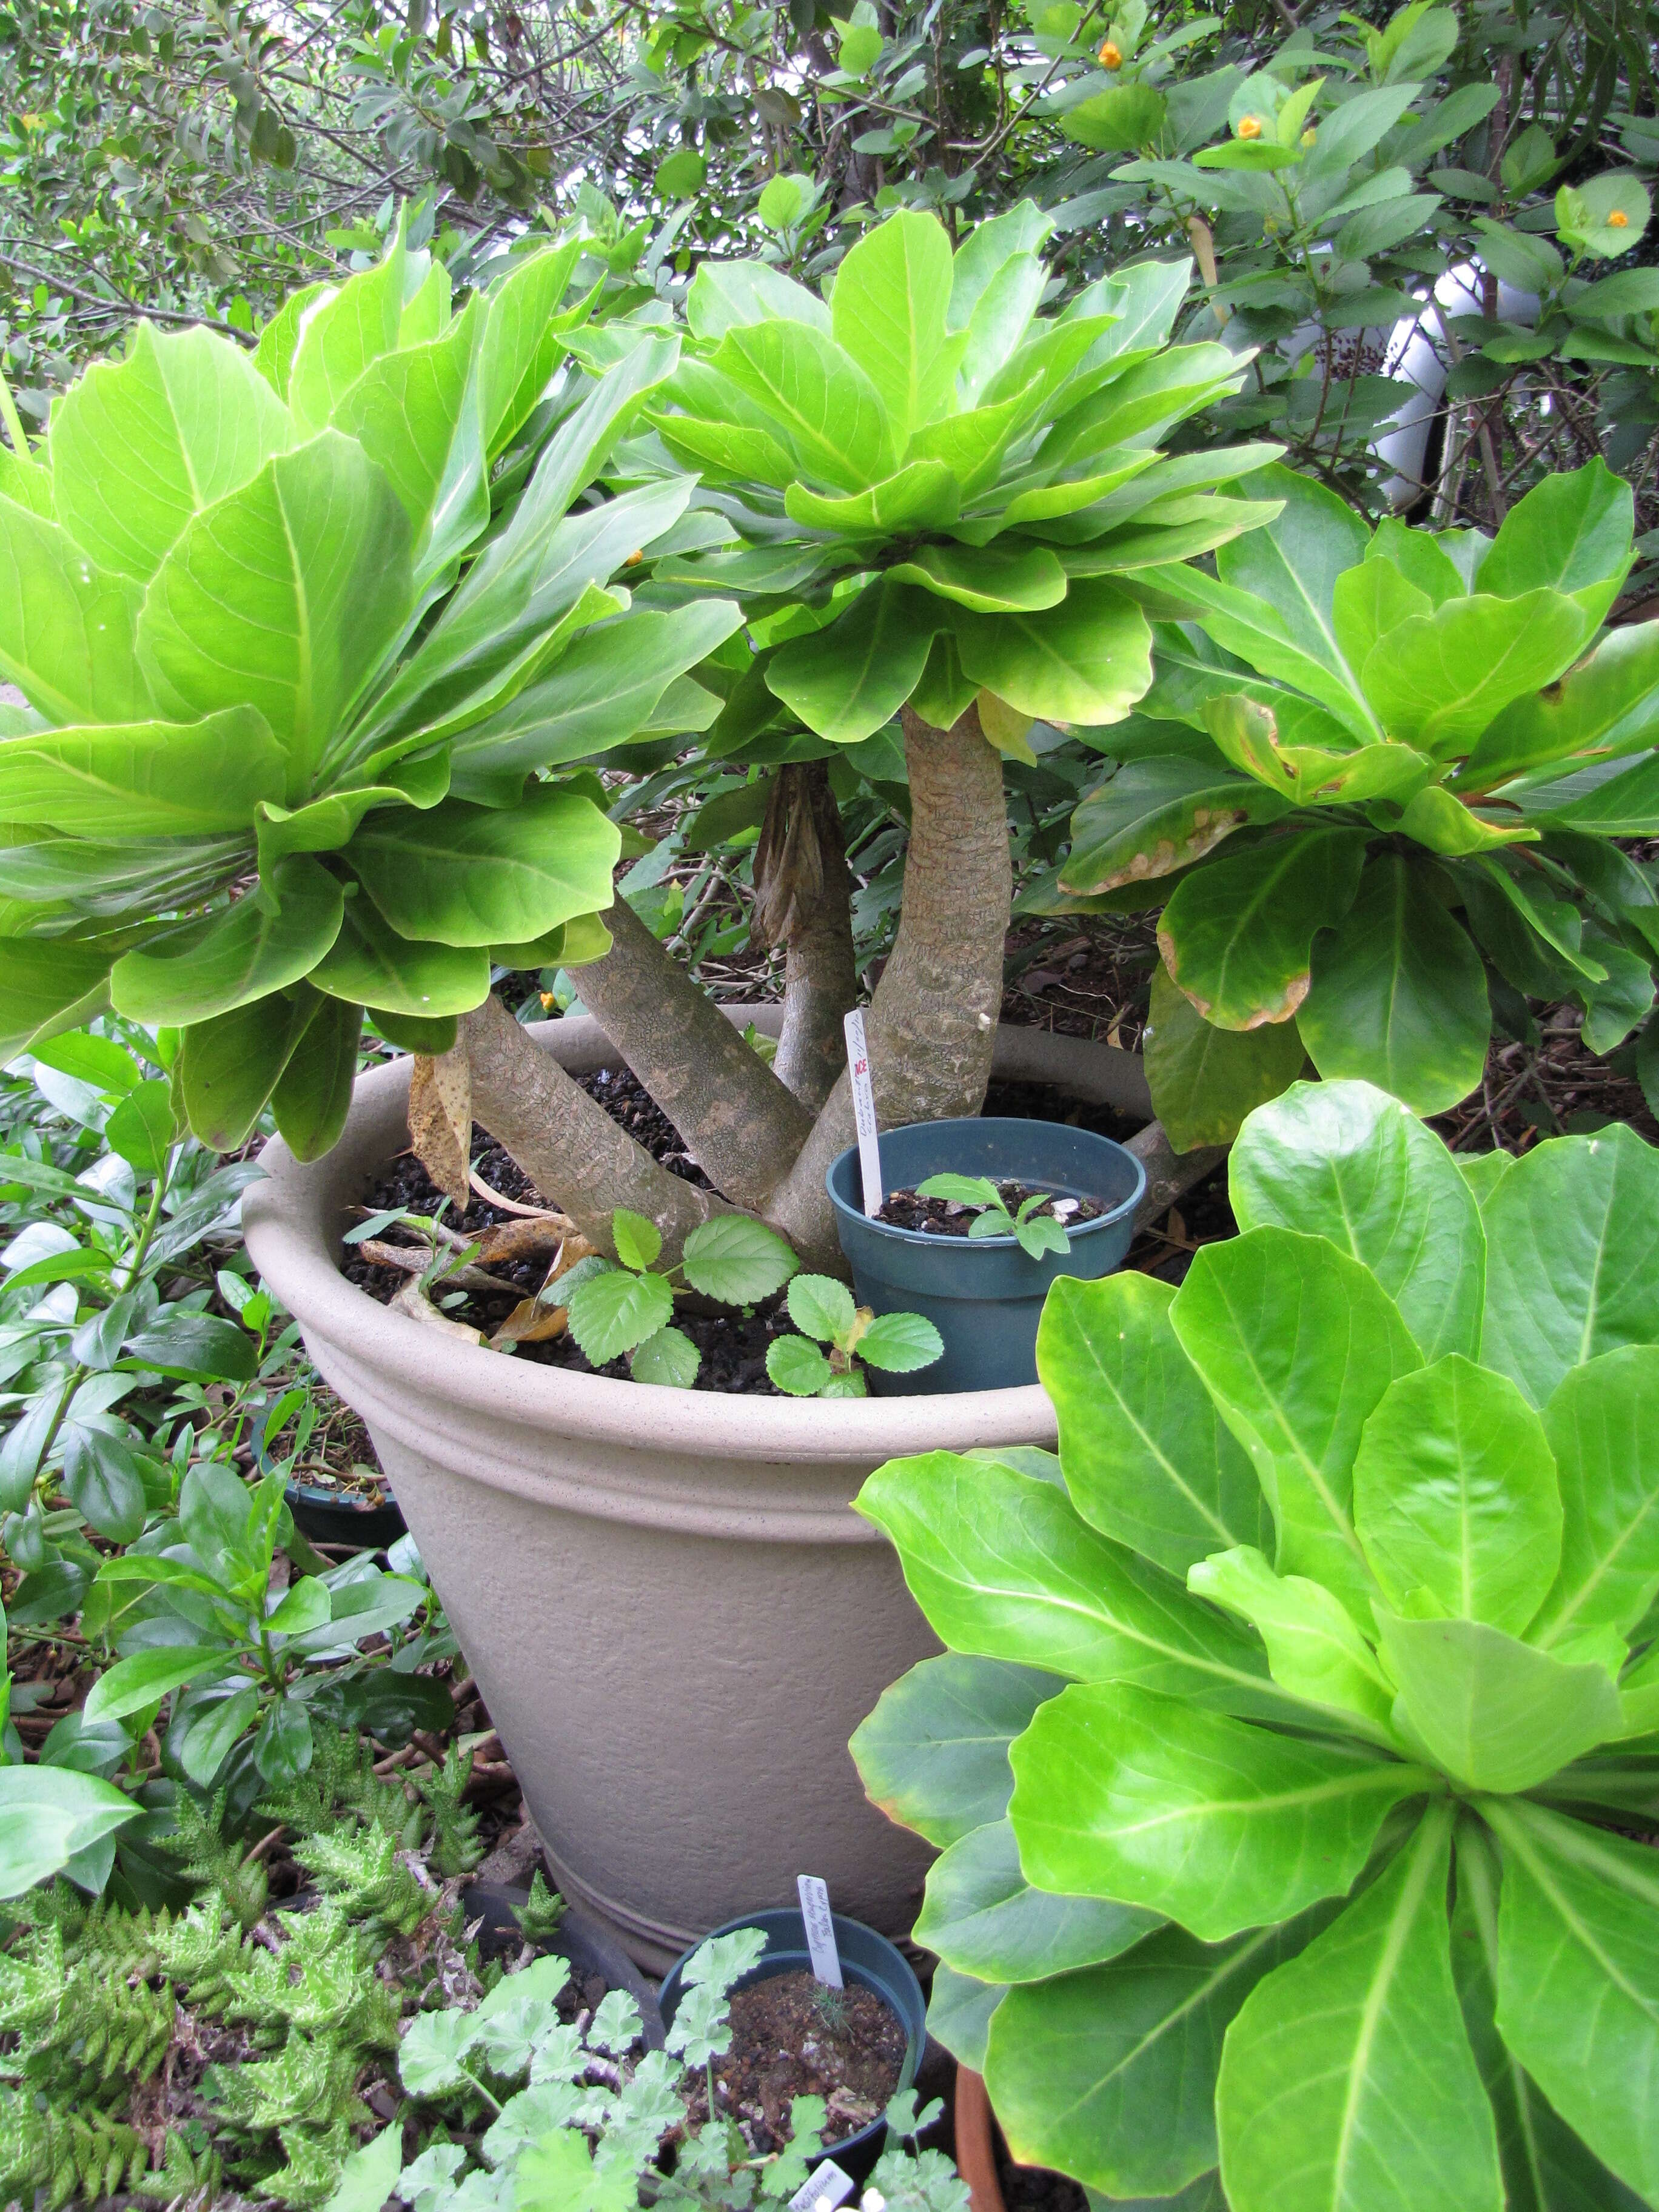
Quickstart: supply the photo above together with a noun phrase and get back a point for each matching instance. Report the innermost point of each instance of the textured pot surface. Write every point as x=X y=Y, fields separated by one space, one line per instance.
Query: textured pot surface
x=674 y=1618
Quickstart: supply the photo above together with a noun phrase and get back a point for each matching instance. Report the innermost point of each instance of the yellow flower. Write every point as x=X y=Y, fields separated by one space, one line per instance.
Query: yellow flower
x=1619 y=220
x=1309 y=137
x=1111 y=57
x=632 y=561
x=1251 y=127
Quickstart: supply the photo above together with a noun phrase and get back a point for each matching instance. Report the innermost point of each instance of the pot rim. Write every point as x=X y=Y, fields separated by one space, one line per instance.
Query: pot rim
x=934 y=1243
x=289 y=1223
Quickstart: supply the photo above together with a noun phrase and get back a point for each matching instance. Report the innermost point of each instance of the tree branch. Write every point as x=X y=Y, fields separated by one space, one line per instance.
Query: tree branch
x=933 y=1021
x=740 y=1125
x=803 y=899
x=576 y=1156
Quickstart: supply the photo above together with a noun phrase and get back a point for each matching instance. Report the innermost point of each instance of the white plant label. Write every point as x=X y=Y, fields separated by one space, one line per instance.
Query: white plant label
x=824 y=2188
x=864 y=1112
x=820 y=1929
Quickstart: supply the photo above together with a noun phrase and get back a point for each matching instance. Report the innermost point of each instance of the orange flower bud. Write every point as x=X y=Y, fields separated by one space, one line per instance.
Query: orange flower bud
x=1251 y=127
x=1619 y=220
x=632 y=561
x=1111 y=55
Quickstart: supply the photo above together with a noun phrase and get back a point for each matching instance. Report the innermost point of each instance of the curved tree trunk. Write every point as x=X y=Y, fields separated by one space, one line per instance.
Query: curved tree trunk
x=933 y=1021
x=804 y=900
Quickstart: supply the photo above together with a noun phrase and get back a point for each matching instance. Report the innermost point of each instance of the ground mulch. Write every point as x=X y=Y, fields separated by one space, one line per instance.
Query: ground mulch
x=793 y=2037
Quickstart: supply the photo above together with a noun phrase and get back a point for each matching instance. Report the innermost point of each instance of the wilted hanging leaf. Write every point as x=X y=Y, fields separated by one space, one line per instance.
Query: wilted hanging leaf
x=534 y=1320
x=412 y=1301
x=440 y=1120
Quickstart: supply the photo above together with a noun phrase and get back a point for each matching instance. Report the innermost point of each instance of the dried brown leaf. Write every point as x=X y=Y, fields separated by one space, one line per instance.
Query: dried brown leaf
x=440 y=1120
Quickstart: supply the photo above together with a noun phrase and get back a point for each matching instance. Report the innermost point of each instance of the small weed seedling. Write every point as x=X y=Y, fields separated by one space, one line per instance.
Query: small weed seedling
x=622 y=1305
x=821 y=1307
x=1038 y=1232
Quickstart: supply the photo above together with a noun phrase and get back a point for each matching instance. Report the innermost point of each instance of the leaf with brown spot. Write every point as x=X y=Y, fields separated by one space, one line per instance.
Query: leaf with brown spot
x=1237 y=936
x=440 y=1120
x=1157 y=815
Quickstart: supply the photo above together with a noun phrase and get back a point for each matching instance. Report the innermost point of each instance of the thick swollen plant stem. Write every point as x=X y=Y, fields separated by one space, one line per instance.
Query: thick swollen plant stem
x=803 y=898
x=740 y=1125
x=576 y=1156
x=933 y=1021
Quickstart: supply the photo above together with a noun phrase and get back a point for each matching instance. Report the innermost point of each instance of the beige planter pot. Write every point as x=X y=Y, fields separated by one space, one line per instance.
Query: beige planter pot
x=673 y=1616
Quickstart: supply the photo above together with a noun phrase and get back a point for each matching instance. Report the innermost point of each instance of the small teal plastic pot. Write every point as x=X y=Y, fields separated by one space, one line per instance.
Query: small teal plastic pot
x=983 y=1294
x=867 y=1961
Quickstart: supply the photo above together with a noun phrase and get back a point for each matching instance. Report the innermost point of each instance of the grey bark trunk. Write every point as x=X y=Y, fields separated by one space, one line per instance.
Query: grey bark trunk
x=804 y=900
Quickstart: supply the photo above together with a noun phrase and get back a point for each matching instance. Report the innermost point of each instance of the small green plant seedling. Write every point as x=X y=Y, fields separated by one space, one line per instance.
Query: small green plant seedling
x=822 y=1307
x=624 y=1305
x=1038 y=1231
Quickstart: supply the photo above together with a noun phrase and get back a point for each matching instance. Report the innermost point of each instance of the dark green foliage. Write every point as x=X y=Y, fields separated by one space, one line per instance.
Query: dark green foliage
x=542 y=1911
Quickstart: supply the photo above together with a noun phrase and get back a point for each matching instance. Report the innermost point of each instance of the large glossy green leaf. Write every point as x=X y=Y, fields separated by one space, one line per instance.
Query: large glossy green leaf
x=1347 y=2077
x=48 y=1816
x=1625 y=805
x=1157 y=815
x=924 y=494
x=1455 y=1497
x=1109 y=2073
x=847 y=680
x=983 y=1917
x=1602 y=1424
x=1346 y=1161
x=959 y=2010
x=240 y=953
x=1211 y=1821
x=1145 y=1457
x=1001 y=1565
x=521 y=342
x=285 y=595
x=995 y=579
x=1293 y=563
x=1243 y=623
x=1495 y=1713
x=1398 y=994
x=933 y=1755
x=1371 y=598
x=1086 y=660
x=1571 y=533
x=478 y=875
x=1262 y=740
x=418 y=413
x=341 y=333
x=887 y=312
x=144 y=778
x=66 y=628
x=1579 y=1980
x=1569 y=1272
x=138 y=444
x=48 y=984
x=312 y=1095
x=369 y=963
x=1297 y=1342
x=726 y=294
x=1437 y=680
x=227 y=1068
x=824 y=409
x=1605 y=707
x=596 y=694
x=1545 y=2166
x=1204 y=1080
x=1314 y=1650
x=1237 y=935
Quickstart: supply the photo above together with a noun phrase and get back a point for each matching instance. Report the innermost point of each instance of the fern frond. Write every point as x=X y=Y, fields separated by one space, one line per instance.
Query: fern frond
x=313 y=2170
x=312 y=2079
x=203 y=1853
x=457 y=1845
x=322 y=1977
x=363 y=1875
x=64 y=2153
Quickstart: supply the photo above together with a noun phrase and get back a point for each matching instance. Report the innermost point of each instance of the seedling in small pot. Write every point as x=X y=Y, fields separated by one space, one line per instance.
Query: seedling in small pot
x=822 y=1307
x=1038 y=1231
x=622 y=1305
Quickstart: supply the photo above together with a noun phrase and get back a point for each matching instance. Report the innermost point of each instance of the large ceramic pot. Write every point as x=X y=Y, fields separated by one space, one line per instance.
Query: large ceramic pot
x=674 y=1617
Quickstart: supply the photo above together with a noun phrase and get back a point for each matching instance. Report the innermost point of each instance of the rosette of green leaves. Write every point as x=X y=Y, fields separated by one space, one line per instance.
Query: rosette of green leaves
x=1289 y=1721
x=1374 y=789
x=929 y=490
x=275 y=766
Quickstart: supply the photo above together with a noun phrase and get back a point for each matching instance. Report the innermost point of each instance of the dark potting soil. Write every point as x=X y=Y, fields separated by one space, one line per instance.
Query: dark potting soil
x=1034 y=2188
x=793 y=2037
x=949 y=1217
x=732 y=1345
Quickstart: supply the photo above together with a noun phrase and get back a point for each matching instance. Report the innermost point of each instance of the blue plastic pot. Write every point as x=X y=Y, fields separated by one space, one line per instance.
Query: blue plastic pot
x=984 y=1294
x=868 y=1961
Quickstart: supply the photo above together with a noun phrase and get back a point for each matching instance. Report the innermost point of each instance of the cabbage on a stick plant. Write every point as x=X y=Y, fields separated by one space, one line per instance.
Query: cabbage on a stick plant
x=925 y=493
x=299 y=633
x=1376 y=790
x=1298 y=1723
